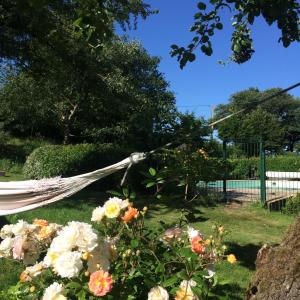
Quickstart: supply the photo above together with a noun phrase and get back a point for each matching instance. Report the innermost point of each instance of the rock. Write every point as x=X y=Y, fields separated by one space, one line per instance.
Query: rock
x=277 y=275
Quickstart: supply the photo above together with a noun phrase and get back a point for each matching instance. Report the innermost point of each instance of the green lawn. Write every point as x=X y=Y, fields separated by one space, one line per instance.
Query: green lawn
x=250 y=227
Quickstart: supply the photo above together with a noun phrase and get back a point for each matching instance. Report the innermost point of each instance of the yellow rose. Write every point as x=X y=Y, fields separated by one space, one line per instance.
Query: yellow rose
x=231 y=258
x=112 y=207
x=207 y=242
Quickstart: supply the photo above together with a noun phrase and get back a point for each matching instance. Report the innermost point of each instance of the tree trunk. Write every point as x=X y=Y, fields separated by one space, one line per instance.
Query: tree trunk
x=277 y=275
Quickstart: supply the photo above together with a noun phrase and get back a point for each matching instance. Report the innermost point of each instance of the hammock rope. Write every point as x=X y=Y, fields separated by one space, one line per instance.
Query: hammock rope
x=20 y=196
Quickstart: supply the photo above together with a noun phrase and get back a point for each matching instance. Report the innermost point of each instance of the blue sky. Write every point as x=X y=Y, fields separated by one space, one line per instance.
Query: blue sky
x=204 y=82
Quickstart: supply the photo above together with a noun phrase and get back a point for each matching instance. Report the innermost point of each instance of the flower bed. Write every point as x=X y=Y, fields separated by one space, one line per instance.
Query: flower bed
x=116 y=258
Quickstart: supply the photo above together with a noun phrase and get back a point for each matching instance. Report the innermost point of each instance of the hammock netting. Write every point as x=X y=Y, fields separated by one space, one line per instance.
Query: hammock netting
x=19 y=196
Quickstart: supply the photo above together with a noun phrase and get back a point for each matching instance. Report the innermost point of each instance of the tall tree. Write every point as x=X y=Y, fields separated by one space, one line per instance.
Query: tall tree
x=118 y=96
x=28 y=25
x=274 y=120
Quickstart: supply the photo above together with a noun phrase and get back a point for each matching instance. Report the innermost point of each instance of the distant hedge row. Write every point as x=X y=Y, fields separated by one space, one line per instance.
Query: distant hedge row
x=243 y=168
x=69 y=160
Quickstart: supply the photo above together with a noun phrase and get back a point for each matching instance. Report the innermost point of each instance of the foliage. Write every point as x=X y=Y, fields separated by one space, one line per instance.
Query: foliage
x=243 y=15
x=28 y=25
x=118 y=96
x=245 y=223
x=276 y=120
x=243 y=168
x=68 y=160
x=292 y=206
x=72 y=91
x=176 y=260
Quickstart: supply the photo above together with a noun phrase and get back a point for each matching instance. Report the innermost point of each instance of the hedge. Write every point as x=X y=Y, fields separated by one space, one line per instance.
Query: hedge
x=243 y=168
x=69 y=160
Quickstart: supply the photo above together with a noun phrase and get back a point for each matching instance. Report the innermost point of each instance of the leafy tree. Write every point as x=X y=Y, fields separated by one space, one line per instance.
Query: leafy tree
x=243 y=13
x=274 y=120
x=118 y=96
x=27 y=25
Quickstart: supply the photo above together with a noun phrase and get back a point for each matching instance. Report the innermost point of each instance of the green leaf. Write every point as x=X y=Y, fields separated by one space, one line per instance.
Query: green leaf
x=115 y=193
x=150 y=184
x=160 y=269
x=73 y=285
x=171 y=281
x=152 y=171
x=132 y=195
x=126 y=192
x=219 y=26
x=185 y=252
x=81 y=295
x=134 y=243
x=201 y=5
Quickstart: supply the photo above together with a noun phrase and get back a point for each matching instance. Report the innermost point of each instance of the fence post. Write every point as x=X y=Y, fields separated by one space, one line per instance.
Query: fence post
x=262 y=173
x=225 y=171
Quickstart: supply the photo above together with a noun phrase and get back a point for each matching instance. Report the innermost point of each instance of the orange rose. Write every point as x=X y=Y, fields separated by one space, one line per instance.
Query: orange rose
x=24 y=277
x=100 y=283
x=197 y=245
x=130 y=214
x=44 y=233
x=40 y=222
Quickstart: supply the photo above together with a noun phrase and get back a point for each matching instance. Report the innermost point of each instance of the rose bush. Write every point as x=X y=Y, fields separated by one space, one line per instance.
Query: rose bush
x=116 y=258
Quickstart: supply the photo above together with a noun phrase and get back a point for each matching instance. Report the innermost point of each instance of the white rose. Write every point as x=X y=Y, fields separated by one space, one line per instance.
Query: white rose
x=21 y=227
x=158 y=293
x=99 y=258
x=98 y=214
x=124 y=204
x=54 y=292
x=51 y=258
x=68 y=264
x=211 y=271
x=66 y=239
x=87 y=240
x=35 y=270
x=185 y=291
x=112 y=207
x=191 y=232
x=6 y=247
x=6 y=231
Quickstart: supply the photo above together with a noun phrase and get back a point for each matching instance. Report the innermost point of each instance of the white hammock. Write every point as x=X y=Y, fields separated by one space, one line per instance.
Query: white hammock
x=19 y=196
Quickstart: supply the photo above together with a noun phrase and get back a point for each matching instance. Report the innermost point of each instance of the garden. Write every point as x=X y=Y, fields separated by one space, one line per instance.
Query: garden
x=110 y=188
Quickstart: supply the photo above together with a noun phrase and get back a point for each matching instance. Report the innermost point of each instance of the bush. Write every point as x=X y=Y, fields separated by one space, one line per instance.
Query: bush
x=69 y=160
x=292 y=206
x=8 y=165
x=18 y=150
x=284 y=163
x=243 y=168
x=119 y=256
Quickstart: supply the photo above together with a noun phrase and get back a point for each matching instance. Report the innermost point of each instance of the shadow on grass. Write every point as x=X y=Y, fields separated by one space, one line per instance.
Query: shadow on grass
x=229 y=292
x=3 y=221
x=246 y=254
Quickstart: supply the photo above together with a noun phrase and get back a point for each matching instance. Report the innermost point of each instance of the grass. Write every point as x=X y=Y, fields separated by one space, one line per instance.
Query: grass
x=250 y=227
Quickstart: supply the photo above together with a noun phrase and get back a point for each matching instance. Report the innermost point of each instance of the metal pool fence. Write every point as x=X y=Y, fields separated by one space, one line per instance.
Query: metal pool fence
x=245 y=177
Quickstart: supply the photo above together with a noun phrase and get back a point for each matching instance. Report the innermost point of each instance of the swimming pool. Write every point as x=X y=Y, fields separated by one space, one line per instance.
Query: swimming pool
x=252 y=184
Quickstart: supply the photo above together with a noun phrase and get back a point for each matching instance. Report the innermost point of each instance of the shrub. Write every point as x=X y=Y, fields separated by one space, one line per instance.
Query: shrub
x=243 y=168
x=69 y=160
x=284 y=163
x=18 y=150
x=292 y=206
x=9 y=165
x=118 y=257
